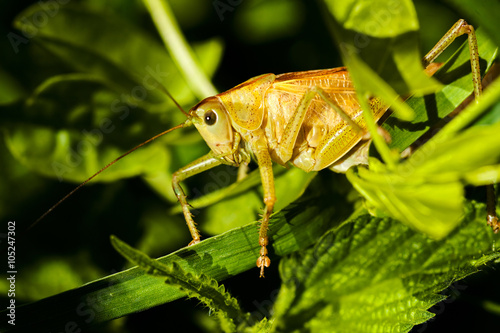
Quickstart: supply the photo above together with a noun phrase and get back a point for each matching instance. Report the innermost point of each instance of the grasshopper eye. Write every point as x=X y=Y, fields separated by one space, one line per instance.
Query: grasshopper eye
x=210 y=117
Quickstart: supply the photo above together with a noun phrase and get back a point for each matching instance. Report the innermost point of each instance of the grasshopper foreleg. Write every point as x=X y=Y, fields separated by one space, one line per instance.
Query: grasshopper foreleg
x=203 y=163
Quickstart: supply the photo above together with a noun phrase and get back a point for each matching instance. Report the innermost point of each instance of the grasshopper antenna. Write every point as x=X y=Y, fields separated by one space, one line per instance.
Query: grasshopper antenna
x=184 y=124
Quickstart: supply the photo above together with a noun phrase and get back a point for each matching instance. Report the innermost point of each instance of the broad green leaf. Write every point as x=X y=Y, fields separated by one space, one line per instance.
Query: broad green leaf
x=376 y=275
x=426 y=191
x=91 y=42
x=384 y=18
x=69 y=120
x=451 y=159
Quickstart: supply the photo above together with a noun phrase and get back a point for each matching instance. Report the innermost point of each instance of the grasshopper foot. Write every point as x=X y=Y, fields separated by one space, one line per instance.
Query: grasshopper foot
x=194 y=241
x=263 y=261
x=494 y=223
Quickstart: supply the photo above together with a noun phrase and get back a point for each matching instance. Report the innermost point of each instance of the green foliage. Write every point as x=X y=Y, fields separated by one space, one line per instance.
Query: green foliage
x=375 y=275
x=81 y=94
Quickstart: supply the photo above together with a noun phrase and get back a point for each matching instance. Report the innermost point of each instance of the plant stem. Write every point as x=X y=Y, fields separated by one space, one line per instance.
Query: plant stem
x=179 y=49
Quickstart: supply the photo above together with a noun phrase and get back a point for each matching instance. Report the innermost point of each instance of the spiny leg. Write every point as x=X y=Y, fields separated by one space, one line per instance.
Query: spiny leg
x=458 y=29
x=266 y=173
x=203 y=163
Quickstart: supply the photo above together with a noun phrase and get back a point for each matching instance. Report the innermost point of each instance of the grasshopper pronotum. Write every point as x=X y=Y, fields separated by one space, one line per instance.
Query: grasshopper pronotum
x=309 y=119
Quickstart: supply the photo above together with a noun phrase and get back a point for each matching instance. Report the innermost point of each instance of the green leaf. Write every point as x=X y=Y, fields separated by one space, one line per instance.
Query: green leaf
x=376 y=275
x=426 y=191
x=200 y=286
x=92 y=42
x=387 y=29
x=434 y=208
x=484 y=13
x=10 y=89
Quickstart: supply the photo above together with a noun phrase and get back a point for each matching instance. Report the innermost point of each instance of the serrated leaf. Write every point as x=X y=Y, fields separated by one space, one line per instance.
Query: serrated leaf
x=200 y=286
x=376 y=275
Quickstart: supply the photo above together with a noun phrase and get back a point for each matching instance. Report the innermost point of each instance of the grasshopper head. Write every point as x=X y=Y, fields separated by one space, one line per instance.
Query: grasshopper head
x=212 y=121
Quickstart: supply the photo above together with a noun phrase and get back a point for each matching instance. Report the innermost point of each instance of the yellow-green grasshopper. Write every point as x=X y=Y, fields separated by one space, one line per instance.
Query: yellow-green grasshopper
x=311 y=120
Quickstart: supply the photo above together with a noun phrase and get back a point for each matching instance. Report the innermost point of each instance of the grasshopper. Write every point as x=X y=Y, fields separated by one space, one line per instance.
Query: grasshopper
x=311 y=120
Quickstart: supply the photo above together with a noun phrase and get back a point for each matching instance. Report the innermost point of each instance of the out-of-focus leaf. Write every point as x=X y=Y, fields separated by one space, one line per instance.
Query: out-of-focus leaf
x=74 y=124
x=259 y=22
x=72 y=137
x=10 y=89
x=92 y=42
x=238 y=205
x=484 y=13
